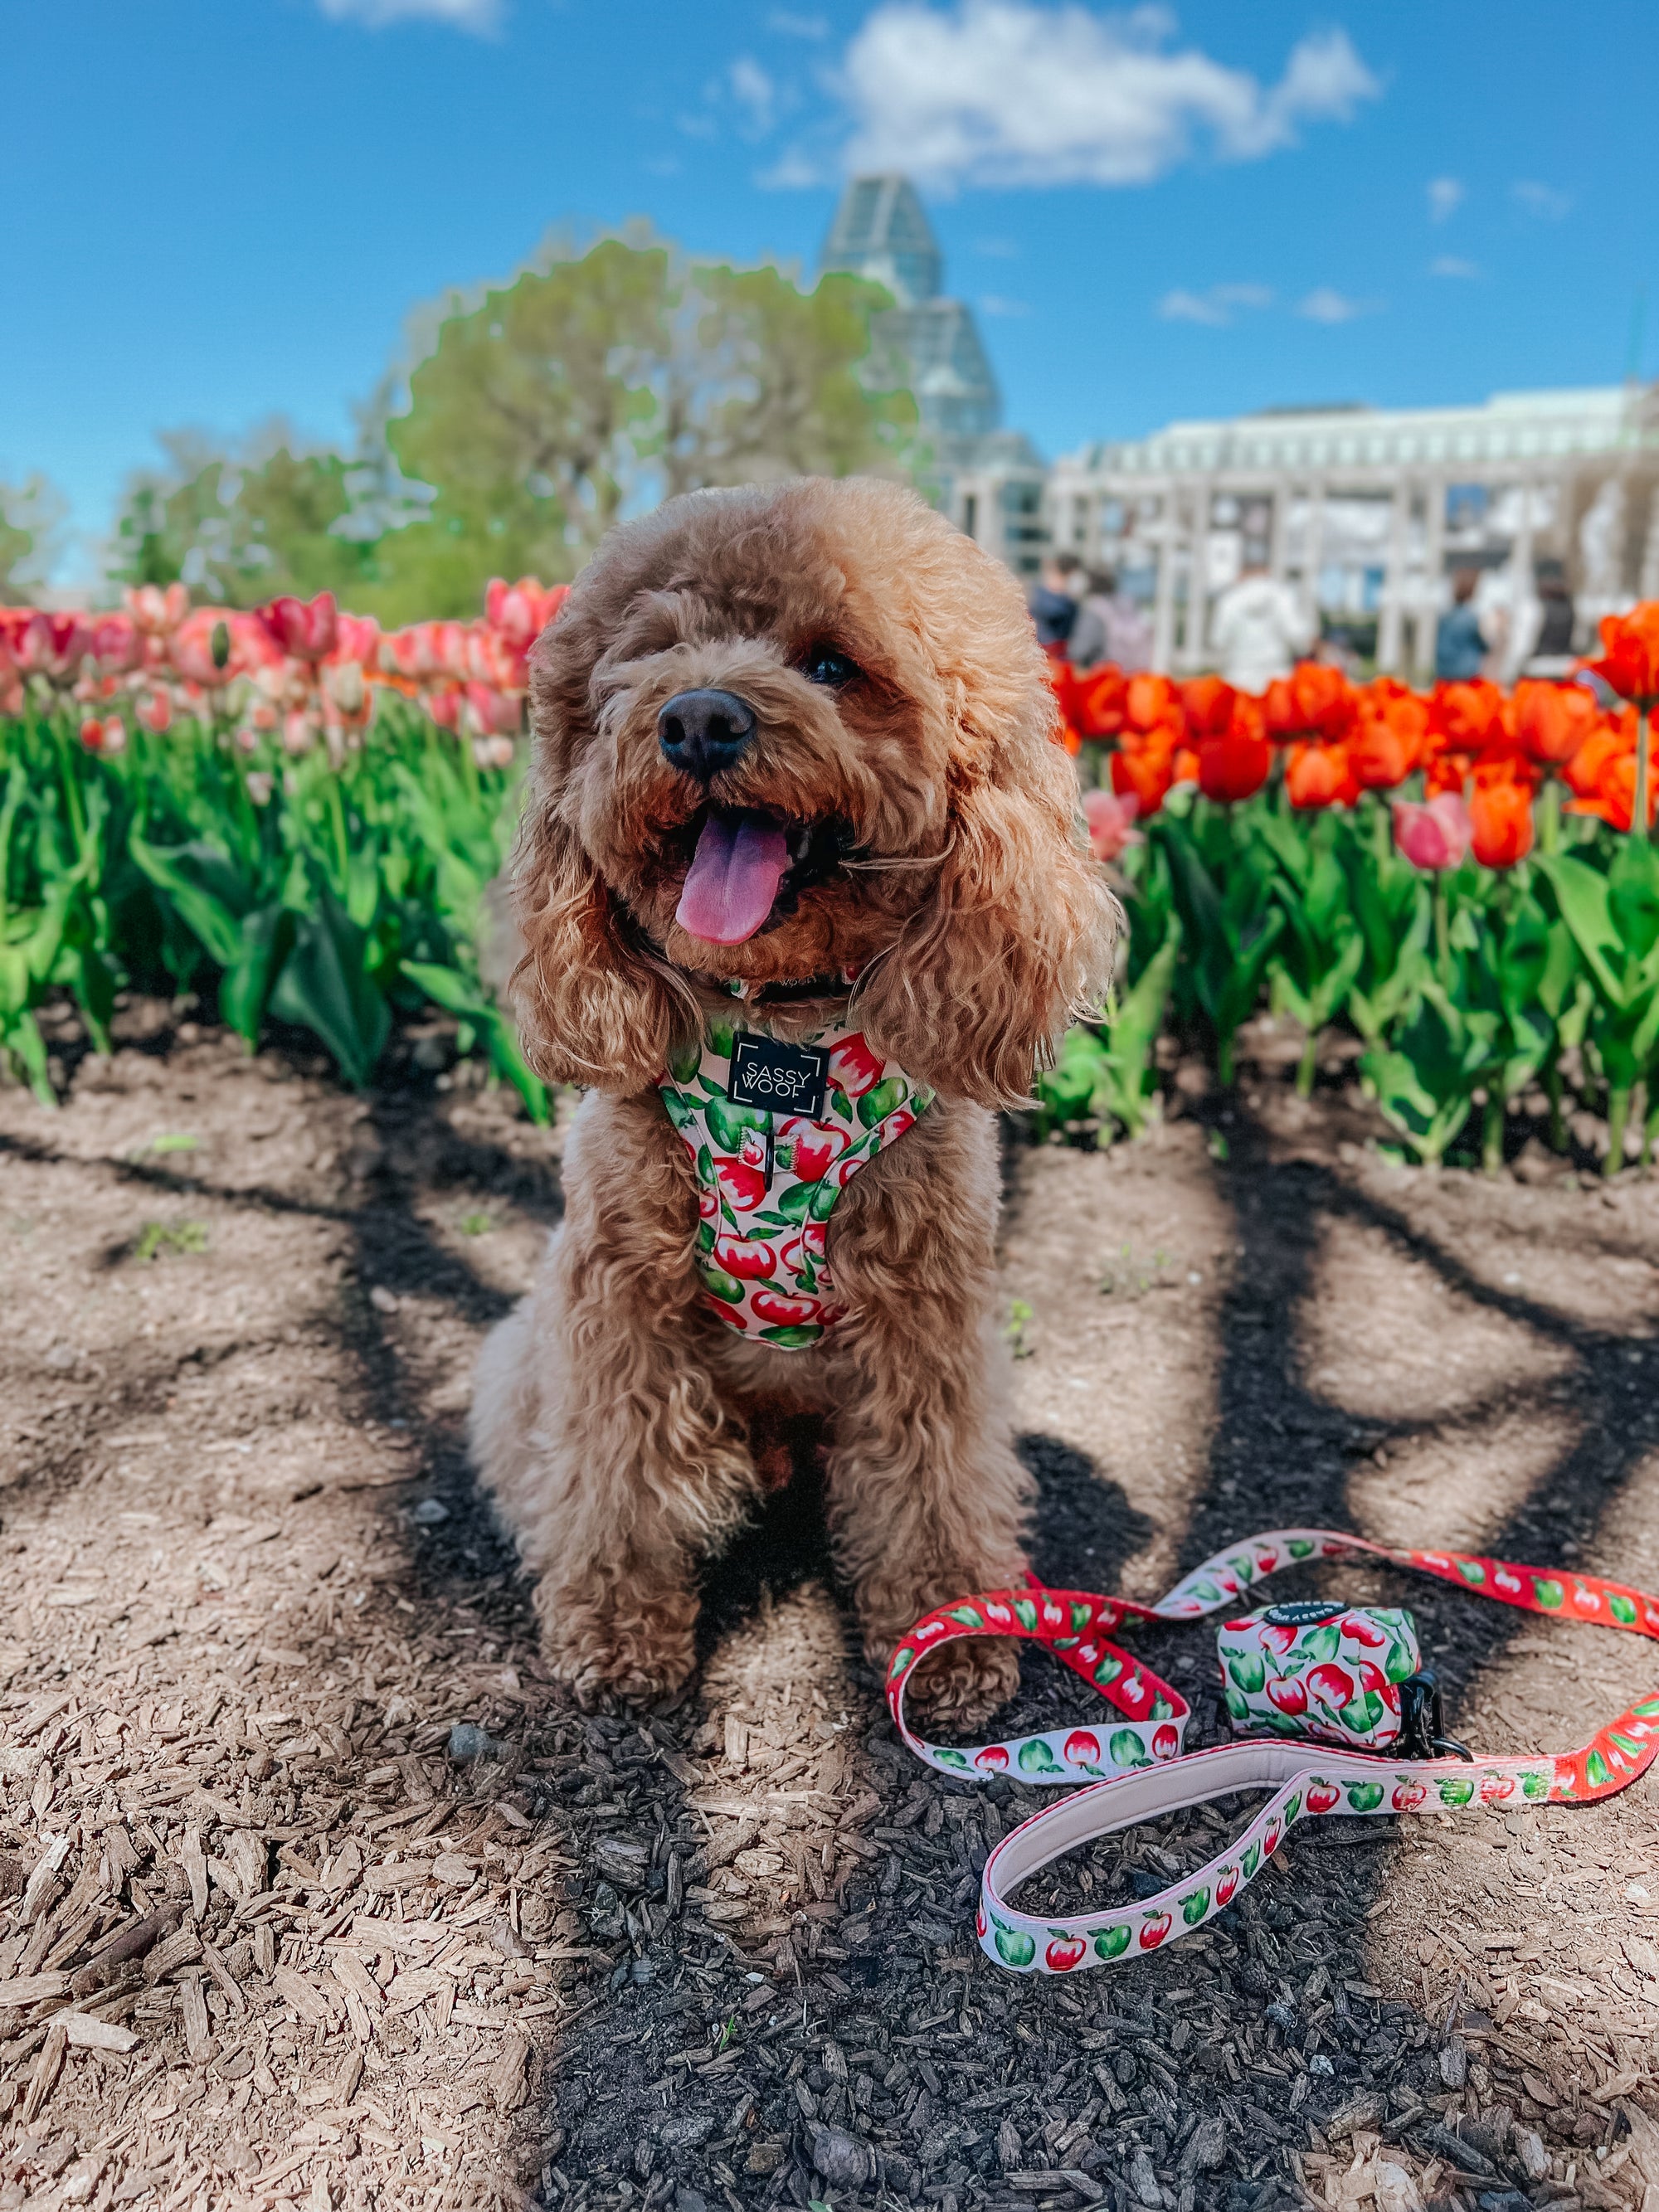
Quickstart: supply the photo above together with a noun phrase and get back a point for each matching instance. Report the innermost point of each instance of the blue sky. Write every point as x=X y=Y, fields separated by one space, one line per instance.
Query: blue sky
x=230 y=206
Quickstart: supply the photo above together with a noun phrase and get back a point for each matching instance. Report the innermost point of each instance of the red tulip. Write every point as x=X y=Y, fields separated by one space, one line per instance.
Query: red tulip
x=1500 y=822
x=306 y=631
x=1552 y=720
x=1629 y=661
x=1319 y=776
x=1208 y=703
x=1234 y=757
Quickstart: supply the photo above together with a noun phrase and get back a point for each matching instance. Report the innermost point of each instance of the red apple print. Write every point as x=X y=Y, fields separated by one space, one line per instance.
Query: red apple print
x=1408 y=1795
x=1494 y=1788
x=1358 y=1630
x=1245 y=1623
x=1266 y=1559
x=1322 y=1796
x=1226 y=1882
x=888 y=1132
x=1153 y=1931
x=786 y=1313
x=979 y=1923
x=817 y=1144
x=992 y=1759
x=1082 y=1748
x=1270 y=1841
x=1065 y=1952
x=746 y=1255
x=1332 y=1685
x=1287 y=1693
x=997 y=1615
x=1505 y=1581
x=1279 y=1636
x=730 y=1315
x=854 y=1067
x=708 y=1206
x=1131 y=1692
x=1165 y=1742
x=744 y=1186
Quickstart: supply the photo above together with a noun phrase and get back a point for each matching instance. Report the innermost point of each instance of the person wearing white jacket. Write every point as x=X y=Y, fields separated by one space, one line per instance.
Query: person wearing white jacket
x=1259 y=631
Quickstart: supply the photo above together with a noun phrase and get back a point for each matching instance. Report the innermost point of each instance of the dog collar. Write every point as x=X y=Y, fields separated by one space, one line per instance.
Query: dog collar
x=777 y=1132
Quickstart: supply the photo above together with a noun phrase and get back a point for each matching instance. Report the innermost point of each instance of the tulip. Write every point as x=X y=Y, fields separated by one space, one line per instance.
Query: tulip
x=260 y=784
x=1144 y=776
x=107 y=737
x=306 y=630
x=1630 y=665
x=1552 y=720
x=1500 y=822
x=154 y=710
x=357 y=638
x=53 y=646
x=117 y=646
x=1100 y=702
x=1314 y=700
x=1209 y=706
x=1434 y=836
x=1231 y=768
x=1110 y=818
x=492 y=753
x=1150 y=701
x=1319 y=776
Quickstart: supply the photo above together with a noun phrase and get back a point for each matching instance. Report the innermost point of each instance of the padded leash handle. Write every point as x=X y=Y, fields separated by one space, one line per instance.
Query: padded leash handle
x=1139 y=1772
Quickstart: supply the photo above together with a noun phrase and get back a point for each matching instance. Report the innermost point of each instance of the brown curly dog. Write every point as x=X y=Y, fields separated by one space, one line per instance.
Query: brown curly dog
x=795 y=778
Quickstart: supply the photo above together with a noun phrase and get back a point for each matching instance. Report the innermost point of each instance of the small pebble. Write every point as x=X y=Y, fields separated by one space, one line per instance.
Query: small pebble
x=429 y=1512
x=383 y=1300
x=467 y=1741
x=840 y=2159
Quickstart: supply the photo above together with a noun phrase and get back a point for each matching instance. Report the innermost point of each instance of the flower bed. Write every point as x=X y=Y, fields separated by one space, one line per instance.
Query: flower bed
x=1453 y=877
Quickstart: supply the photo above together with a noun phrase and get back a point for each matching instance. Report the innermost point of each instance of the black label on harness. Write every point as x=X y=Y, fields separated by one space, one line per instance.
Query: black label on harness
x=781 y=1078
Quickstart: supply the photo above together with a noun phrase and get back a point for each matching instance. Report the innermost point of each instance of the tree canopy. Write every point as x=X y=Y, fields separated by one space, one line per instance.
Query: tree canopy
x=589 y=388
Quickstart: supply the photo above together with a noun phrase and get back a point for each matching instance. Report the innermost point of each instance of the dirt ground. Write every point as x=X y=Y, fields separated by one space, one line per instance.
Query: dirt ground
x=312 y=1891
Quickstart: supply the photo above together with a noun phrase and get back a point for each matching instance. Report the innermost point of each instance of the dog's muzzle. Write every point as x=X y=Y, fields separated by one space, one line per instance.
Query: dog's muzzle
x=704 y=731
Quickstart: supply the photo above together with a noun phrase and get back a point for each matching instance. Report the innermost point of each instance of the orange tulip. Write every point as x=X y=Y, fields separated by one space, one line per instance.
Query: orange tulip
x=1209 y=705
x=1313 y=699
x=1552 y=720
x=1149 y=701
x=1466 y=717
x=1144 y=775
x=1318 y=775
x=1099 y=709
x=1500 y=822
x=1628 y=662
x=1389 y=739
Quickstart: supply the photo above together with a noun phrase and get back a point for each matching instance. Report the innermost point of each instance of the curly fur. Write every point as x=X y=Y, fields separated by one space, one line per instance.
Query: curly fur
x=613 y=1416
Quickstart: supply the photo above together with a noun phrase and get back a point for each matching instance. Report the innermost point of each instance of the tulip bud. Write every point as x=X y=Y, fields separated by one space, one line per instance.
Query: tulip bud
x=219 y=645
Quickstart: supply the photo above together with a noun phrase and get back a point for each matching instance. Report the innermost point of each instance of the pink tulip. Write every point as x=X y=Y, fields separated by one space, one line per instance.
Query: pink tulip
x=53 y=646
x=522 y=610
x=1110 y=816
x=306 y=631
x=107 y=737
x=358 y=640
x=492 y=753
x=445 y=706
x=492 y=712
x=154 y=710
x=117 y=644
x=299 y=731
x=156 y=611
x=1433 y=836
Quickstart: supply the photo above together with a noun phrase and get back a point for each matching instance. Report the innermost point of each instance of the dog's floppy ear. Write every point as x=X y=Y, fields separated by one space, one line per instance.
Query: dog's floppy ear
x=592 y=1008
x=1017 y=940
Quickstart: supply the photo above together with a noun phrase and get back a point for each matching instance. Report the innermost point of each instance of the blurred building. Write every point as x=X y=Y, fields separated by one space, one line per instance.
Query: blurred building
x=1367 y=511
x=991 y=480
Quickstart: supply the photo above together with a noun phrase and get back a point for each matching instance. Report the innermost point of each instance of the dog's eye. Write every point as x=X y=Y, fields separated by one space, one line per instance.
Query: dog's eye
x=823 y=665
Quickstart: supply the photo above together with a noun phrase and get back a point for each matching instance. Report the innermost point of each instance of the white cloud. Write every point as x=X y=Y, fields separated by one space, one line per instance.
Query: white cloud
x=1011 y=92
x=798 y=27
x=480 y=16
x=1325 y=305
x=1542 y=200
x=1452 y=264
x=1215 y=307
x=754 y=92
x=1445 y=197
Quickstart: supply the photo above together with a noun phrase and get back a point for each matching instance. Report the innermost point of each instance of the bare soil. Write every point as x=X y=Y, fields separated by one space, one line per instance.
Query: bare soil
x=312 y=1891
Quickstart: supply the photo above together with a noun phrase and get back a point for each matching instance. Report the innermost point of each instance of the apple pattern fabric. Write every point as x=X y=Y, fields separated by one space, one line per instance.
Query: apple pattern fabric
x=1136 y=1770
x=768 y=1183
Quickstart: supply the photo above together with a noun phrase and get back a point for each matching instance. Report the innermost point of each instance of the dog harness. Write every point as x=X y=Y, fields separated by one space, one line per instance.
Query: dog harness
x=777 y=1132
x=1336 y=1677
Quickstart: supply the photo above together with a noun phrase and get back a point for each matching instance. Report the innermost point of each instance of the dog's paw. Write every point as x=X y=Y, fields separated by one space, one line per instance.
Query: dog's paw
x=608 y=1668
x=963 y=1684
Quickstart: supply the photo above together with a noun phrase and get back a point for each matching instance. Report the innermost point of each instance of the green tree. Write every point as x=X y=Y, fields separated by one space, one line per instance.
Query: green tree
x=242 y=530
x=30 y=514
x=590 y=387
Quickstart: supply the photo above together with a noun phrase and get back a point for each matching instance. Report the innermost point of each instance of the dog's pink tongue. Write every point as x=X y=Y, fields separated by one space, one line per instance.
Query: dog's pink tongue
x=734 y=878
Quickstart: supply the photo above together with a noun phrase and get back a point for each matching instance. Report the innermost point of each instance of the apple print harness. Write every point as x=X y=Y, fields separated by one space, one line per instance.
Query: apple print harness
x=777 y=1132
x=1345 y=1680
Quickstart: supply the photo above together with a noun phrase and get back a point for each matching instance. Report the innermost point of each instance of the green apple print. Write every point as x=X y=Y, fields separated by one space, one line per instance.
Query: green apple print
x=1365 y=1797
x=1239 y=1706
x=724 y=1287
x=1251 y=1859
x=720 y=1040
x=683 y=1061
x=1128 y=1750
x=949 y=1758
x=1534 y=1786
x=1300 y=1546
x=728 y=1122
x=1324 y=1642
x=1472 y=1572
x=1111 y=1942
x=881 y=1099
x=1400 y=1664
x=1036 y=1758
x=1108 y=1670
x=1548 y=1594
x=1621 y=1609
x=1014 y=1946
x=1194 y=1908
x=1595 y=1769
x=966 y=1616
x=1248 y=1670
x=1081 y=1614
x=792 y=1336
x=1025 y=1613
x=1455 y=1789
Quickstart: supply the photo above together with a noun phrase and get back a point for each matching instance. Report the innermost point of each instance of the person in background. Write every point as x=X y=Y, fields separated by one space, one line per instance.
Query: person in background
x=1054 y=601
x=1552 y=649
x=1461 y=643
x=1111 y=626
x=1259 y=630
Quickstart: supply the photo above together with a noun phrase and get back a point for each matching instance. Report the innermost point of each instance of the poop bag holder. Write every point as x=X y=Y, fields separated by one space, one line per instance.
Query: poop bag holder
x=1352 y=1717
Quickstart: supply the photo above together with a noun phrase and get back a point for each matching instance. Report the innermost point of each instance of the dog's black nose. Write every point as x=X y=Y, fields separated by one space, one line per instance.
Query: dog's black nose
x=703 y=732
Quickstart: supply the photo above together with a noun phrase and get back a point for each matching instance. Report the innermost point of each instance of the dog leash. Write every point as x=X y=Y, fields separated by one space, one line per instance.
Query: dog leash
x=1139 y=1769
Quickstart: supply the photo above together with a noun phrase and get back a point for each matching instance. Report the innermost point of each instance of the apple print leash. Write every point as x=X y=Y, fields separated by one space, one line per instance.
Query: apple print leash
x=1139 y=1769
